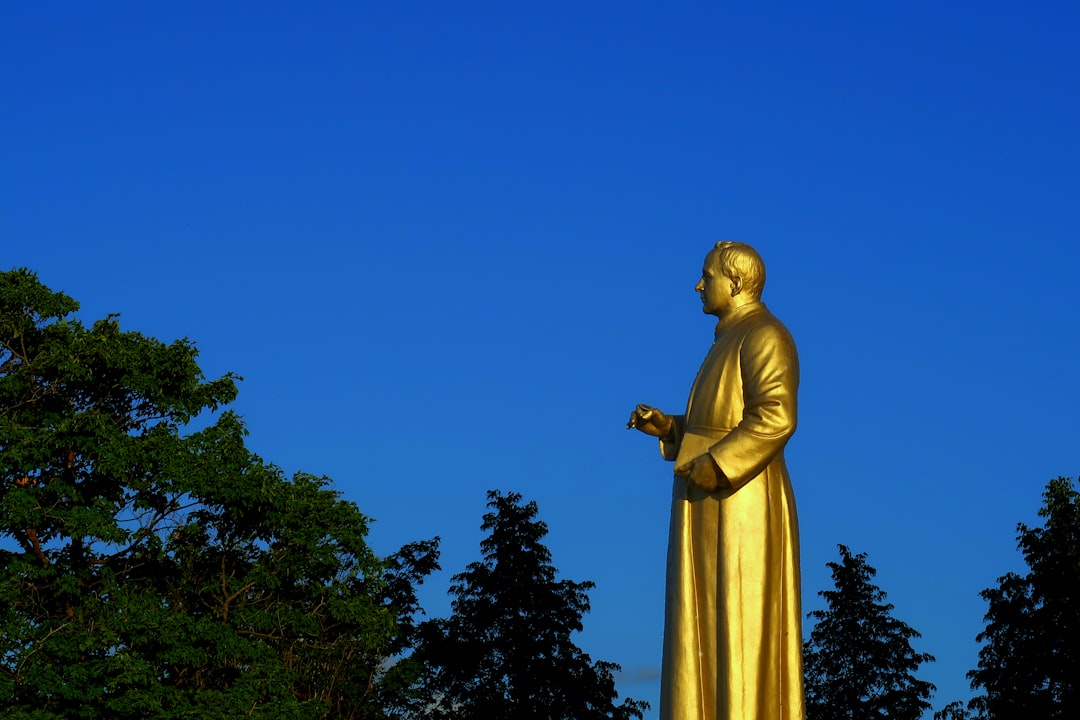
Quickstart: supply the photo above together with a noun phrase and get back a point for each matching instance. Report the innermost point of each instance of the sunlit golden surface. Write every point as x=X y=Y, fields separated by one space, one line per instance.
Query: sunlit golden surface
x=732 y=632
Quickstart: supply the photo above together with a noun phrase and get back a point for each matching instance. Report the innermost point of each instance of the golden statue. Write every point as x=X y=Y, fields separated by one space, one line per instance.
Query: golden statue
x=733 y=618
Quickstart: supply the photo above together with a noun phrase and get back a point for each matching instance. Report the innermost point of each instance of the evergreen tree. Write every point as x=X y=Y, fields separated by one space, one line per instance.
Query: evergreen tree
x=149 y=573
x=507 y=653
x=1029 y=664
x=859 y=663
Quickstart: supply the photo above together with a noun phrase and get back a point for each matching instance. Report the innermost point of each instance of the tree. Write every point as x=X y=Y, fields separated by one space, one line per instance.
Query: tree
x=506 y=653
x=1029 y=663
x=859 y=662
x=148 y=573
x=956 y=710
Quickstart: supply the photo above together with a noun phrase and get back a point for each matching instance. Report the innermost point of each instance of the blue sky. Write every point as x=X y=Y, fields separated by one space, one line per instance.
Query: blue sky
x=450 y=245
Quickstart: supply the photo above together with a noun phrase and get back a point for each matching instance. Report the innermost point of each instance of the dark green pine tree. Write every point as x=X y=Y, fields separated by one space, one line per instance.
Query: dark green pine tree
x=859 y=663
x=507 y=651
x=1029 y=664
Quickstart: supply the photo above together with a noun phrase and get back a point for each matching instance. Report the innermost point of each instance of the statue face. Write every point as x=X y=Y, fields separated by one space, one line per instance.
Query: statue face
x=715 y=289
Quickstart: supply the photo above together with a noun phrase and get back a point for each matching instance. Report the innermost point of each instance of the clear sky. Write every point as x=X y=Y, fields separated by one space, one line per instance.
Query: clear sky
x=450 y=245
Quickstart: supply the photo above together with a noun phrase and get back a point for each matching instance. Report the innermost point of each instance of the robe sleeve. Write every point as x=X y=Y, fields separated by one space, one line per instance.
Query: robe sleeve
x=669 y=446
x=770 y=380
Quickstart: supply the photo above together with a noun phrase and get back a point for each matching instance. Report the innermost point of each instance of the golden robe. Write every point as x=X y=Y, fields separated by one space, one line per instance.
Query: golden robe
x=733 y=619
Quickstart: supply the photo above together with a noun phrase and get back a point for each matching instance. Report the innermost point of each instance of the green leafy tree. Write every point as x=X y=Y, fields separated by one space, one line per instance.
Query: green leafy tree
x=1029 y=663
x=507 y=651
x=955 y=710
x=859 y=663
x=148 y=573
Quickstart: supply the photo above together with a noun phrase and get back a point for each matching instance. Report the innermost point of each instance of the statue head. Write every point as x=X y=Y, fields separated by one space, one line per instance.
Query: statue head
x=733 y=275
x=739 y=260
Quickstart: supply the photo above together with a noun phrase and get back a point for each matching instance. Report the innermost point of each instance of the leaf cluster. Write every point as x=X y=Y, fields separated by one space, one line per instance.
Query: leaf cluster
x=148 y=573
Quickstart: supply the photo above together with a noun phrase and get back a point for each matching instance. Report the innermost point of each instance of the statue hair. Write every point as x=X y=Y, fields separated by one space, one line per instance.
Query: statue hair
x=736 y=259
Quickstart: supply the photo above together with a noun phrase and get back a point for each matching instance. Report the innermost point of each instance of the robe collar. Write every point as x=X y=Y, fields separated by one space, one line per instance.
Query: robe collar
x=738 y=313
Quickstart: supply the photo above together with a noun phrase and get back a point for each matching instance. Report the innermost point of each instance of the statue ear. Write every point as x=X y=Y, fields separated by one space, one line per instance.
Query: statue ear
x=736 y=286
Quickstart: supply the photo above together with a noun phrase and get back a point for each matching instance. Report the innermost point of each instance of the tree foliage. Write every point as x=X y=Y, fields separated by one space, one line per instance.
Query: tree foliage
x=955 y=710
x=148 y=573
x=507 y=652
x=859 y=663
x=1029 y=663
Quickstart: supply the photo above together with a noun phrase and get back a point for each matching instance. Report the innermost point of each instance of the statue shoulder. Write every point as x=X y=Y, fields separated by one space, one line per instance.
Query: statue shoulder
x=767 y=333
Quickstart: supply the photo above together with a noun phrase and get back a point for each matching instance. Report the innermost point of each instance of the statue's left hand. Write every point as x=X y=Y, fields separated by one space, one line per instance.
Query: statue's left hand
x=705 y=474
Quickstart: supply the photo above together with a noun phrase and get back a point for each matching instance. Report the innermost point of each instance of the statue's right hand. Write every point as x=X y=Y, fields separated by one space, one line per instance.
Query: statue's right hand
x=650 y=421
